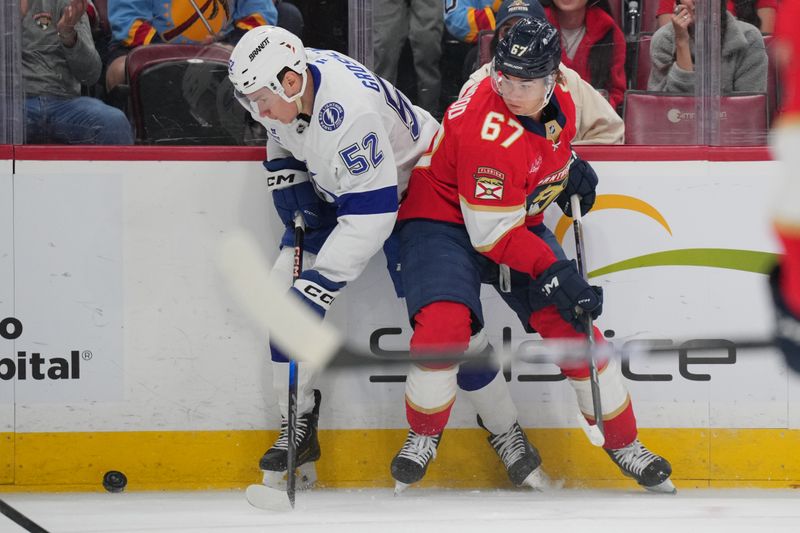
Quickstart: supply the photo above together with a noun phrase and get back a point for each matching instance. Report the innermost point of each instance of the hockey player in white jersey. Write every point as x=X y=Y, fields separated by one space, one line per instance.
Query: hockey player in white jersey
x=341 y=146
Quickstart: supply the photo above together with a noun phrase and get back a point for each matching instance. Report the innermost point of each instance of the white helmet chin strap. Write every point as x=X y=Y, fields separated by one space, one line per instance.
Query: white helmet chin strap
x=299 y=95
x=303 y=119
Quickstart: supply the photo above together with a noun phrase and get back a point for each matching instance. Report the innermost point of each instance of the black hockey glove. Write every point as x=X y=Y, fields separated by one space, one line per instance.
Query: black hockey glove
x=583 y=182
x=568 y=291
x=787 y=325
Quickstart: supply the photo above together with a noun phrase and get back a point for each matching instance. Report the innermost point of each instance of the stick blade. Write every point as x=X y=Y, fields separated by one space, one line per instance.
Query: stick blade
x=593 y=432
x=267 y=498
x=291 y=325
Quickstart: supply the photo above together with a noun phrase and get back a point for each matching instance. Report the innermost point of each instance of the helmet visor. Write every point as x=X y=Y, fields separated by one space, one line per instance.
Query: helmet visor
x=521 y=89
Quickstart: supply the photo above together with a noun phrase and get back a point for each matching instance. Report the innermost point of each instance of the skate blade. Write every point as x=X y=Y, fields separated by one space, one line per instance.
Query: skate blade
x=306 y=477
x=400 y=487
x=538 y=480
x=665 y=487
x=267 y=498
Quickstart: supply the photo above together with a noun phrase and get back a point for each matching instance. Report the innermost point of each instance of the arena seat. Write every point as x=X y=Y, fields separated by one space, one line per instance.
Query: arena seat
x=180 y=94
x=653 y=118
x=485 y=46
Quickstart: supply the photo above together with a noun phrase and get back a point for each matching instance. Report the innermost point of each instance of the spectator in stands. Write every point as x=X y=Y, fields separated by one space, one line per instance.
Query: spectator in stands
x=421 y=22
x=759 y=13
x=591 y=44
x=595 y=120
x=465 y=20
x=58 y=56
x=744 y=58
x=142 y=22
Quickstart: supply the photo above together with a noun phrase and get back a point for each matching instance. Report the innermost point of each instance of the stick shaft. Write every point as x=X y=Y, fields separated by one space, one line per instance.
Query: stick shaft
x=594 y=380
x=20 y=519
x=291 y=415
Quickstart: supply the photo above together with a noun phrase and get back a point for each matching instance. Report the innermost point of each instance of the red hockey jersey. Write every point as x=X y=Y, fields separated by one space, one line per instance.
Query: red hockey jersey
x=787 y=146
x=786 y=32
x=495 y=173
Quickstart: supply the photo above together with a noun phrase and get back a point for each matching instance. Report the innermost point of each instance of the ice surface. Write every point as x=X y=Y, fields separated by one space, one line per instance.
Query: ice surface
x=377 y=510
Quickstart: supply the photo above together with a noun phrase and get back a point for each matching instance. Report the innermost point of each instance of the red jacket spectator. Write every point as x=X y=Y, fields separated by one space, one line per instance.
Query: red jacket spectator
x=600 y=55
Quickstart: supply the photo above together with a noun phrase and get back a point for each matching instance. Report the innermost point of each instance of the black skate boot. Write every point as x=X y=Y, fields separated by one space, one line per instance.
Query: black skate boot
x=520 y=457
x=411 y=462
x=273 y=462
x=651 y=471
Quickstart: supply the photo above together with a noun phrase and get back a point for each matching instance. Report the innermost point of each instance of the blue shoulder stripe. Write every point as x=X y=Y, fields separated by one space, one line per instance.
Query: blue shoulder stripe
x=316 y=76
x=368 y=203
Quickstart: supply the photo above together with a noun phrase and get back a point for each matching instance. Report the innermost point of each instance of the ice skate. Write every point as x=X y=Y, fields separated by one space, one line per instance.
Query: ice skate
x=520 y=457
x=651 y=471
x=273 y=463
x=411 y=462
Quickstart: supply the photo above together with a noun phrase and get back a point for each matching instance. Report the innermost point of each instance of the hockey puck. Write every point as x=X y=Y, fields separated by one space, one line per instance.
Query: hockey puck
x=114 y=481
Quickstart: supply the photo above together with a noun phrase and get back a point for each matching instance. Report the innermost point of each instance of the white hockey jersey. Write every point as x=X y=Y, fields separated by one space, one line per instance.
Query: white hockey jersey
x=362 y=142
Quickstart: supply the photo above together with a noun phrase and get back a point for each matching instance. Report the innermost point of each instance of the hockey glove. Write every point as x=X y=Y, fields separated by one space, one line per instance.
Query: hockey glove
x=292 y=192
x=316 y=290
x=787 y=325
x=570 y=293
x=583 y=182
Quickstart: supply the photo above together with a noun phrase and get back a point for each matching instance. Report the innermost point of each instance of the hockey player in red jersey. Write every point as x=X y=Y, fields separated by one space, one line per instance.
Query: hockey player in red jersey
x=785 y=280
x=473 y=214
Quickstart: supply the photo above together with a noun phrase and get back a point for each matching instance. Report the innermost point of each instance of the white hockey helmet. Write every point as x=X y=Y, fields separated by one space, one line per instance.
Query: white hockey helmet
x=261 y=55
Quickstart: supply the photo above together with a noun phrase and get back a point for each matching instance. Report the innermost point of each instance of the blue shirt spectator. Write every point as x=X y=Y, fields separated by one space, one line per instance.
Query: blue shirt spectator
x=464 y=19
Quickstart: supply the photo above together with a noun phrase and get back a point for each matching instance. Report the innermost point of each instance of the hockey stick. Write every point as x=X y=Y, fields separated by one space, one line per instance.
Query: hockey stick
x=300 y=332
x=20 y=519
x=260 y=495
x=595 y=433
x=291 y=416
